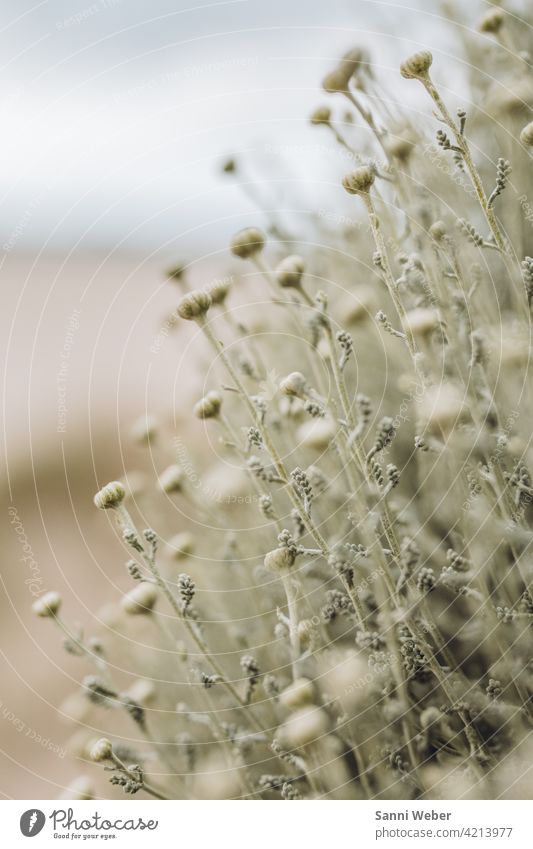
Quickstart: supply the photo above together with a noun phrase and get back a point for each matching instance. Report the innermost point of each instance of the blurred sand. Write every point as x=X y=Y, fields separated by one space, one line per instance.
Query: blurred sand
x=107 y=377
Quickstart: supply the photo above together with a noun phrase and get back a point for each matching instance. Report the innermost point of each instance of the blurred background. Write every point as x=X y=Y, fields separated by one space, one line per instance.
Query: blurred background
x=117 y=119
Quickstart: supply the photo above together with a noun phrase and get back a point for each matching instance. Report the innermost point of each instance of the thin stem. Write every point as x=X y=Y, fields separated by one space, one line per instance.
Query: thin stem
x=473 y=173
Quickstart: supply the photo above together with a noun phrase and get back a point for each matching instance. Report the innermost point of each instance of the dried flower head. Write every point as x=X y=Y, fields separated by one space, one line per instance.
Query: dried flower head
x=279 y=560
x=441 y=408
x=359 y=181
x=194 y=305
x=294 y=385
x=321 y=115
x=421 y=321
x=209 y=406
x=110 y=496
x=218 y=291
x=47 y=605
x=304 y=727
x=298 y=694
x=171 y=480
x=417 y=65
x=247 y=243
x=337 y=80
x=526 y=135
x=181 y=545
x=290 y=271
x=438 y=231
x=102 y=750
x=176 y=272
x=140 y=600
x=492 y=21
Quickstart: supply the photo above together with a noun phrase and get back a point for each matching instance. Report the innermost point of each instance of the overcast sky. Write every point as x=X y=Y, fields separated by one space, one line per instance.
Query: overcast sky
x=115 y=113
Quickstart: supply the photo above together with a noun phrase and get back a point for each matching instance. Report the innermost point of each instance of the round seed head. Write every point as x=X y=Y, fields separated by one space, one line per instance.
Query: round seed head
x=526 y=136
x=140 y=600
x=491 y=21
x=417 y=65
x=321 y=115
x=400 y=146
x=176 y=272
x=171 y=480
x=359 y=181
x=279 y=560
x=317 y=433
x=229 y=166
x=209 y=406
x=513 y=96
x=438 y=231
x=421 y=321
x=47 y=605
x=194 y=305
x=248 y=242
x=218 y=291
x=441 y=408
x=354 y=58
x=143 y=691
x=430 y=717
x=298 y=694
x=144 y=429
x=110 y=496
x=181 y=545
x=337 y=80
x=101 y=750
x=290 y=271
x=303 y=727
x=356 y=306
x=294 y=385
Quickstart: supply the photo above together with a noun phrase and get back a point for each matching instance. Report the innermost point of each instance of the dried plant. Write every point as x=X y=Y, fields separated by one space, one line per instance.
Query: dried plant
x=365 y=631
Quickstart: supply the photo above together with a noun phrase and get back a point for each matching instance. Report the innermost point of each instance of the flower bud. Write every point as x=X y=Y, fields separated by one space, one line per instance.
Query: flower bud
x=194 y=305
x=47 y=605
x=526 y=136
x=417 y=65
x=144 y=429
x=356 y=306
x=290 y=271
x=317 y=433
x=279 y=560
x=209 y=406
x=248 y=242
x=359 y=181
x=303 y=727
x=438 y=231
x=430 y=716
x=298 y=694
x=102 y=750
x=142 y=691
x=181 y=545
x=337 y=80
x=441 y=408
x=321 y=115
x=110 y=496
x=294 y=385
x=491 y=21
x=421 y=321
x=218 y=291
x=140 y=600
x=171 y=480
x=176 y=272
x=400 y=146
